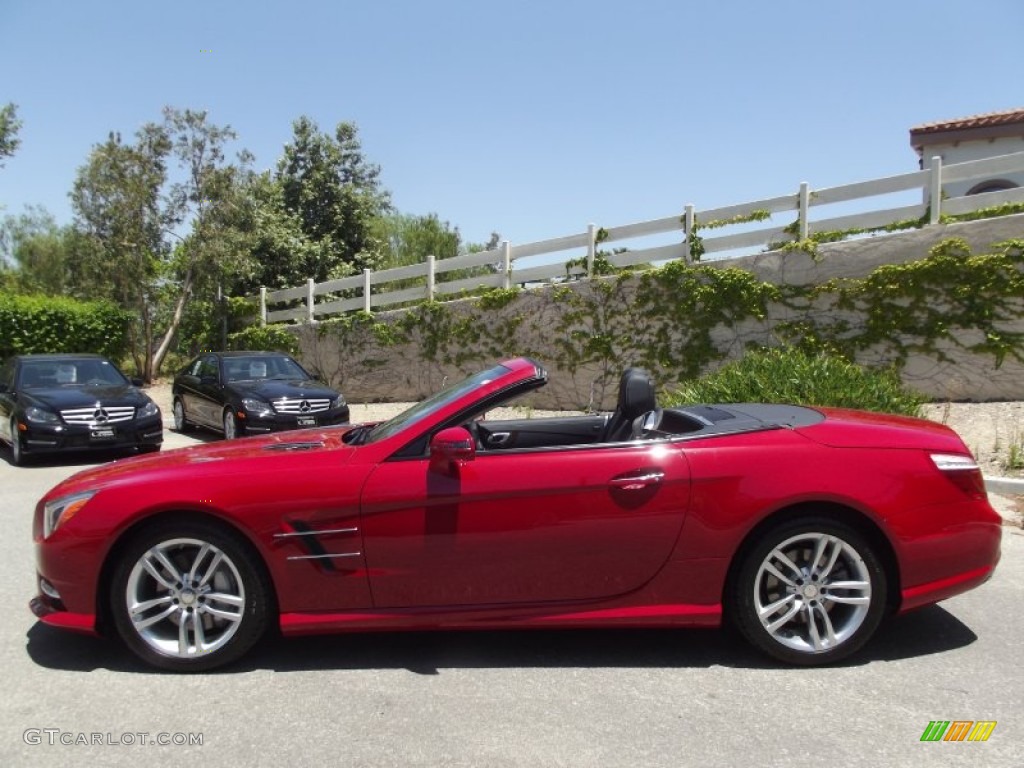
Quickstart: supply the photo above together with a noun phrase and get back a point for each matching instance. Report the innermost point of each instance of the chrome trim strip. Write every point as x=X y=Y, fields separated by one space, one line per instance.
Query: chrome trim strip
x=291 y=534
x=325 y=557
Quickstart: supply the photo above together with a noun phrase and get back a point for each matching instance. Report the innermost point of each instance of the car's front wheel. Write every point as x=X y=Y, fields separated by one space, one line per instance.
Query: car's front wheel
x=17 y=455
x=188 y=596
x=181 y=423
x=231 y=430
x=811 y=591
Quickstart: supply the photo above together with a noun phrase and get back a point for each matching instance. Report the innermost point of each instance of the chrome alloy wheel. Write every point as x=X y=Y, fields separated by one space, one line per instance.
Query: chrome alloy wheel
x=185 y=598
x=230 y=425
x=812 y=592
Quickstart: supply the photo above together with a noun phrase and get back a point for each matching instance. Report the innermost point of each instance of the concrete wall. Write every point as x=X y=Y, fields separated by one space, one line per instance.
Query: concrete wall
x=368 y=372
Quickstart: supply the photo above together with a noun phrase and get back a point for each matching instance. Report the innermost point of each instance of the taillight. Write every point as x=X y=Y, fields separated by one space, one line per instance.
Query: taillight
x=962 y=471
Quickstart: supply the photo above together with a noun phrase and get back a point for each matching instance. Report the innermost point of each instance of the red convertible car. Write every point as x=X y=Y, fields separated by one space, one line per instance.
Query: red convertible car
x=804 y=527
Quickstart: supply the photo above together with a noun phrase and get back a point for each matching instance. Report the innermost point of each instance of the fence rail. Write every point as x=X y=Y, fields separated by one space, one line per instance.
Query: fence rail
x=505 y=266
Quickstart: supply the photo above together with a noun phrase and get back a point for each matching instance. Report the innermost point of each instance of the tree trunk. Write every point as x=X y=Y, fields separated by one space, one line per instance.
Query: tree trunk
x=172 y=328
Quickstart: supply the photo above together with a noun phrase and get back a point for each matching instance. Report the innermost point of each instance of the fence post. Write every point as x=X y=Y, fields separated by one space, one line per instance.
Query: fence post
x=803 y=205
x=506 y=264
x=935 y=191
x=366 y=290
x=310 y=298
x=263 y=305
x=688 y=220
x=431 y=276
x=591 y=248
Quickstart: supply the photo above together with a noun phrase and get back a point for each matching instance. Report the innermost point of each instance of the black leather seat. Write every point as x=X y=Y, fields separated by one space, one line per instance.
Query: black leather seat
x=637 y=396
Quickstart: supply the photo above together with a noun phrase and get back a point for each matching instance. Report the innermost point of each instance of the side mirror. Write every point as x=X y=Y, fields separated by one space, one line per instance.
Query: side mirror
x=137 y=382
x=451 y=448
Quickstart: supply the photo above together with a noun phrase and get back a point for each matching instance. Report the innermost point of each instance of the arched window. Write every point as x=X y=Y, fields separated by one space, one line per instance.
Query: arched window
x=993 y=185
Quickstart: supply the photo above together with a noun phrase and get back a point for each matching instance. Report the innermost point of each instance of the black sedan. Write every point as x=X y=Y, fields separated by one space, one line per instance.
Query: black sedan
x=252 y=393
x=52 y=403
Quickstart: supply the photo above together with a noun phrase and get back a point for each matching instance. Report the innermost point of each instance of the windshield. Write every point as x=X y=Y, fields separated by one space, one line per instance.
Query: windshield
x=262 y=367
x=433 y=404
x=70 y=373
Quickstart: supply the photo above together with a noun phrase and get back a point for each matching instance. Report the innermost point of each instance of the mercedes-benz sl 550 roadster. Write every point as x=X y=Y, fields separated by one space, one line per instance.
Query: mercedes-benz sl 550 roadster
x=803 y=527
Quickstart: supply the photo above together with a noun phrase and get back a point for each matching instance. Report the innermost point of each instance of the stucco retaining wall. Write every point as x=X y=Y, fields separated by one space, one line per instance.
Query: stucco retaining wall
x=367 y=371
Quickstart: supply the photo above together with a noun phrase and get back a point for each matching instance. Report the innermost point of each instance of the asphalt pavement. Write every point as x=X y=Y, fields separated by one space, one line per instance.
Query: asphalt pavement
x=584 y=698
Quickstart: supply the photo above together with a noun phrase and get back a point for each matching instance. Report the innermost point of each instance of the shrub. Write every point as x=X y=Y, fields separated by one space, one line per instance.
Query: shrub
x=788 y=375
x=271 y=338
x=48 y=324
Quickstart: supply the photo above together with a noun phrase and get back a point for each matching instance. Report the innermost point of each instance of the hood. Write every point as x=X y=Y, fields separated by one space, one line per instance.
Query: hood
x=271 y=389
x=247 y=456
x=83 y=396
x=861 y=429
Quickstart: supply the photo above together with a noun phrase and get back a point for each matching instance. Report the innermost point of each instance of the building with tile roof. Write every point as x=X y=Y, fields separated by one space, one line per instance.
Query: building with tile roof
x=972 y=138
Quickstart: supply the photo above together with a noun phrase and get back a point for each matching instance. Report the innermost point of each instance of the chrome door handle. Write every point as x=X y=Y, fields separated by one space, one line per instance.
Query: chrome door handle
x=498 y=438
x=636 y=482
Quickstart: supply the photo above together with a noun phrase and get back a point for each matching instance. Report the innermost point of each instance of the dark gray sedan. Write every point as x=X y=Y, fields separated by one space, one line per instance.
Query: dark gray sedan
x=252 y=393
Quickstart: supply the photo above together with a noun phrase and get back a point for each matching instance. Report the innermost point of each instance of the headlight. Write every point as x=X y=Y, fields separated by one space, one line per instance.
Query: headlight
x=59 y=511
x=40 y=416
x=338 y=402
x=149 y=409
x=257 y=407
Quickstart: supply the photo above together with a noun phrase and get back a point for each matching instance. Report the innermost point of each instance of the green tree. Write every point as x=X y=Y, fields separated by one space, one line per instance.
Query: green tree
x=9 y=127
x=131 y=213
x=335 y=195
x=409 y=239
x=39 y=252
x=208 y=195
x=118 y=205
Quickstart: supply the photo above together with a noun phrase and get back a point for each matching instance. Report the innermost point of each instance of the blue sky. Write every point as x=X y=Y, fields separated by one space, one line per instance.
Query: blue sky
x=529 y=118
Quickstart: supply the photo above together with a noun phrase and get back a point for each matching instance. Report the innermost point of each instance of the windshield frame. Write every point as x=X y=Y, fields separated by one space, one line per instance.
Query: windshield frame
x=434 y=404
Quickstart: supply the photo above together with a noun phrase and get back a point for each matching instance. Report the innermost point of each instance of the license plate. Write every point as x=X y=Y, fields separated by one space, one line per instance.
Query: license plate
x=102 y=434
x=307 y=421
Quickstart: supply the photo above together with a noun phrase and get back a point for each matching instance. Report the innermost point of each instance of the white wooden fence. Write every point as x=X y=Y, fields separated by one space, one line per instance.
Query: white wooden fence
x=505 y=267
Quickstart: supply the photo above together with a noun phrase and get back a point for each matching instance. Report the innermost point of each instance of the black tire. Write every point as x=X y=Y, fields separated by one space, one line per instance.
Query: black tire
x=181 y=423
x=17 y=451
x=230 y=424
x=169 y=575
x=810 y=592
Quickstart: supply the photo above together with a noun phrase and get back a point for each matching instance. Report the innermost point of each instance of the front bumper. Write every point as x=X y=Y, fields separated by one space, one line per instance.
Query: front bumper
x=46 y=438
x=254 y=424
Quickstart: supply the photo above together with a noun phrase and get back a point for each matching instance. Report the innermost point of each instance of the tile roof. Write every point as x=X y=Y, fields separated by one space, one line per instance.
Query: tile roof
x=1005 y=117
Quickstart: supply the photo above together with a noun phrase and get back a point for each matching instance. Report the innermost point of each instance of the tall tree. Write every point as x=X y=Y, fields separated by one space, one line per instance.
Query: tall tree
x=124 y=202
x=335 y=194
x=118 y=205
x=208 y=195
x=9 y=127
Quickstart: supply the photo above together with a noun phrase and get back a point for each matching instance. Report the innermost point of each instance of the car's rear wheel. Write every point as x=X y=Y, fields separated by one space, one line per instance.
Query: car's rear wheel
x=230 y=424
x=188 y=596
x=181 y=423
x=17 y=454
x=811 y=591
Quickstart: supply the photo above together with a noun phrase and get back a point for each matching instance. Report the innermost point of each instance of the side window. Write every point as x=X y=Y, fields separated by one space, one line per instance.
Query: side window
x=209 y=368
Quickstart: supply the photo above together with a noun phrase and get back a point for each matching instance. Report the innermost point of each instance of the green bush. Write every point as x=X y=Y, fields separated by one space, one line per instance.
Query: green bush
x=272 y=338
x=788 y=375
x=47 y=324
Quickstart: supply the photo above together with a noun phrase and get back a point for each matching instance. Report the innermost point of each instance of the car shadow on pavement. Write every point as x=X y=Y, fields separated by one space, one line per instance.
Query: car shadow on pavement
x=921 y=633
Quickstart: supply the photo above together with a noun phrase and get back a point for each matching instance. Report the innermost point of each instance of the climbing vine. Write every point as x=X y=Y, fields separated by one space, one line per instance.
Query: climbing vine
x=682 y=319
